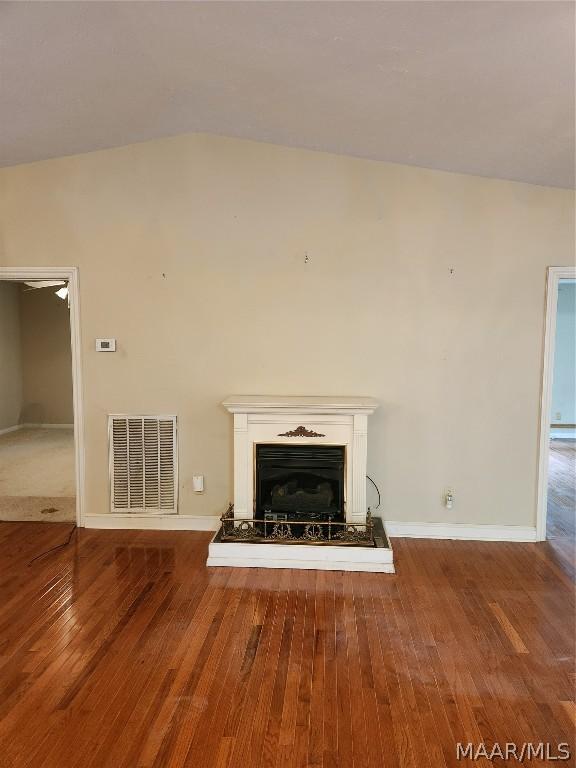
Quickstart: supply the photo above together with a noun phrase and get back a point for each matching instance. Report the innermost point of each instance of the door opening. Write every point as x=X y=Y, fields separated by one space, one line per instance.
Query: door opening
x=557 y=461
x=41 y=449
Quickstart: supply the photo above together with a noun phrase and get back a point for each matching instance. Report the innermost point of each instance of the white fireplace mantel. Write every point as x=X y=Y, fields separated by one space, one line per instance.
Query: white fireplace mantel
x=320 y=405
x=328 y=420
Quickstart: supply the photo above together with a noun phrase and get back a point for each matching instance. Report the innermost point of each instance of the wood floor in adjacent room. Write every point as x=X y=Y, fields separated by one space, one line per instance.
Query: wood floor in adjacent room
x=125 y=651
x=561 y=518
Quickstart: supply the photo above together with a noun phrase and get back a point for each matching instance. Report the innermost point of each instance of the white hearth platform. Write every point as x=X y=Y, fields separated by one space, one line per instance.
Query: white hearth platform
x=303 y=556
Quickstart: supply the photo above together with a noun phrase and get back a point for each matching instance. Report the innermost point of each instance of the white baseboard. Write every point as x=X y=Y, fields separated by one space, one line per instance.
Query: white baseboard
x=460 y=531
x=303 y=557
x=10 y=429
x=153 y=522
x=393 y=528
x=16 y=427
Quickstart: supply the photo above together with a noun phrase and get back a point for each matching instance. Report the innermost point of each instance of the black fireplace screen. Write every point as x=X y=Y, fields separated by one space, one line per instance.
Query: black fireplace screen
x=300 y=482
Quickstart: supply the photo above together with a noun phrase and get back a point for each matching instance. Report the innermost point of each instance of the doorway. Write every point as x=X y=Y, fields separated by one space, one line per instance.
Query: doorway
x=41 y=435
x=556 y=515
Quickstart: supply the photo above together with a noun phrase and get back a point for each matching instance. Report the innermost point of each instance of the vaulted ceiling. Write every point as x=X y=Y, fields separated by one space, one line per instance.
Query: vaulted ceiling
x=474 y=87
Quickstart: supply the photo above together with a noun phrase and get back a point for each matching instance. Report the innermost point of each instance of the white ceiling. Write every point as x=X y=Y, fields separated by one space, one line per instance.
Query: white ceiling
x=476 y=87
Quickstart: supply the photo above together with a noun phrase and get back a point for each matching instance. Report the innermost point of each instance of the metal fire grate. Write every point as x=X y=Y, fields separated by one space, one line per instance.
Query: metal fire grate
x=257 y=530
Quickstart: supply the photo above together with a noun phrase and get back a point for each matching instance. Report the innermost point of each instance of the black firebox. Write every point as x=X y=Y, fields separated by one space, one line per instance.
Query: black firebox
x=300 y=482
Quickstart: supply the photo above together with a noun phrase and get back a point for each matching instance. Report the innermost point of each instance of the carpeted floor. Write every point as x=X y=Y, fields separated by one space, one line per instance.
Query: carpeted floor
x=37 y=475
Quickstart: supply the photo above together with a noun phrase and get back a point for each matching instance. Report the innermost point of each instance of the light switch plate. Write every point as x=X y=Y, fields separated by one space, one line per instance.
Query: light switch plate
x=105 y=345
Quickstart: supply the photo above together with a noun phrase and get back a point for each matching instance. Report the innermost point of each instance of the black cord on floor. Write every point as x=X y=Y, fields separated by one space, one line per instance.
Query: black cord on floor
x=377 y=490
x=58 y=546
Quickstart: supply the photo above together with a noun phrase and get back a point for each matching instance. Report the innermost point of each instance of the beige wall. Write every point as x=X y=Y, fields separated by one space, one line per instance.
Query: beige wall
x=10 y=358
x=423 y=289
x=46 y=358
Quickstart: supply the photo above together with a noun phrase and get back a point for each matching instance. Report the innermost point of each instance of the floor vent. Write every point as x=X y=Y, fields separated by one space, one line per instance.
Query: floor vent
x=143 y=463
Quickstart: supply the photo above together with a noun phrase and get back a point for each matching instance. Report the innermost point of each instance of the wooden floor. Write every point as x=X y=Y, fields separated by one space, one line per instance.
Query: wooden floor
x=561 y=518
x=125 y=651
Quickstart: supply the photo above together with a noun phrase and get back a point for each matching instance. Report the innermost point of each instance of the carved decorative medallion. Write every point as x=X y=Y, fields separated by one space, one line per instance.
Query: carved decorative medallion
x=301 y=432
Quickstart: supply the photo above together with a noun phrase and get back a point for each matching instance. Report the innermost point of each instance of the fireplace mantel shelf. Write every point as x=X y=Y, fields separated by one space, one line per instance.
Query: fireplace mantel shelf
x=317 y=404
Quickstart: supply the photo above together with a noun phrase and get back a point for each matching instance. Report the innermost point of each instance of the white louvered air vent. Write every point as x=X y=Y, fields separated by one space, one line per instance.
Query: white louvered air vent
x=143 y=463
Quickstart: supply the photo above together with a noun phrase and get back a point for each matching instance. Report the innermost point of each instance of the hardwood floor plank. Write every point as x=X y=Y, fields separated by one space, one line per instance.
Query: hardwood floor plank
x=569 y=708
x=511 y=634
x=290 y=704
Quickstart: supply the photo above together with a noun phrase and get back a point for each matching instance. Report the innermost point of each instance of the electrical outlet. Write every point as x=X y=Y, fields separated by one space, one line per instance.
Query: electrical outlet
x=558 y=416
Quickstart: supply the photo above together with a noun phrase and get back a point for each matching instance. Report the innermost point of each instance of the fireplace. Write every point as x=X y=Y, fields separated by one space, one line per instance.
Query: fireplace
x=300 y=487
x=299 y=483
